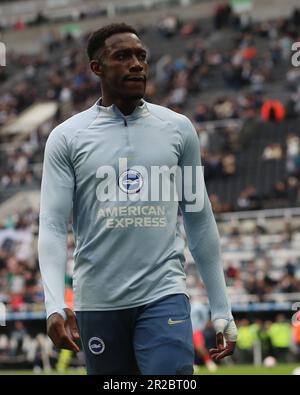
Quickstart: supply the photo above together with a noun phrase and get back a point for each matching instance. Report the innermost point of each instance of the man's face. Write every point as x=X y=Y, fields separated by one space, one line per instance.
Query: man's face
x=124 y=66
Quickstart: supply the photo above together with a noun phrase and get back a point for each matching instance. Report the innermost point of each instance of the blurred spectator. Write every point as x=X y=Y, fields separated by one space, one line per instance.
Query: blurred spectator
x=248 y=199
x=272 y=110
x=272 y=152
x=169 y=26
x=280 y=335
x=222 y=15
x=245 y=342
x=17 y=338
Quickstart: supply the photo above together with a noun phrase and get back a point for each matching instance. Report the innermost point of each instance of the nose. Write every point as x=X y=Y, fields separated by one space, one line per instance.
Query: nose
x=135 y=64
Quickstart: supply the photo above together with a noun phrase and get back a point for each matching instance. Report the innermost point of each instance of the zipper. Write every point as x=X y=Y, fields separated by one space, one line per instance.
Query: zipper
x=126 y=134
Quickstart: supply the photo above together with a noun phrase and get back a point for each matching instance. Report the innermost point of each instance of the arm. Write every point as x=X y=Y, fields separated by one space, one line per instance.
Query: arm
x=55 y=208
x=203 y=239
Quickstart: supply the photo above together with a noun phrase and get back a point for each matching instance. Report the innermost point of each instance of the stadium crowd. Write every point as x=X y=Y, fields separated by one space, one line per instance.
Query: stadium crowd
x=245 y=65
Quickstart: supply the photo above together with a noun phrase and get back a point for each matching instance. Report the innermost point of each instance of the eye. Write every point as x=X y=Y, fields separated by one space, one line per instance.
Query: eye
x=121 y=56
x=143 y=56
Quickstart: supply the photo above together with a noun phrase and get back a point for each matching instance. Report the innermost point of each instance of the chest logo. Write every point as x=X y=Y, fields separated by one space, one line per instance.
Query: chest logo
x=131 y=181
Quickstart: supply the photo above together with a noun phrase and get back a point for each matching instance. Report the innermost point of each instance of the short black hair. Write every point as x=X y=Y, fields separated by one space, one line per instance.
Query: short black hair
x=97 y=39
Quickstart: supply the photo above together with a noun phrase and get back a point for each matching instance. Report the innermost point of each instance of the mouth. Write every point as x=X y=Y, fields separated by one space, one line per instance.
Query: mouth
x=136 y=79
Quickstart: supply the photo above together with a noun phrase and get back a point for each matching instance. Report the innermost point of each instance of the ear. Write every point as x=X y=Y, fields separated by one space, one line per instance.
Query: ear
x=96 y=67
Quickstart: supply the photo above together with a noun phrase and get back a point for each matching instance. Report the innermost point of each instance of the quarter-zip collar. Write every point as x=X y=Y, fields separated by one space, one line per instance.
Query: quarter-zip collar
x=113 y=111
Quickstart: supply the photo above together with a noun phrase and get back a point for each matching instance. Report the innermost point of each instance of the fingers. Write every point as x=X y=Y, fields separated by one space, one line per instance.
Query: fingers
x=58 y=333
x=65 y=341
x=219 y=355
x=214 y=352
x=220 y=341
x=71 y=323
x=222 y=352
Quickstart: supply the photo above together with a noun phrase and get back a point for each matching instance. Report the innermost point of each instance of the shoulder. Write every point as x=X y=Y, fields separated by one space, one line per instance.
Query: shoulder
x=61 y=136
x=165 y=114
x=67 y=129
x=180 y=121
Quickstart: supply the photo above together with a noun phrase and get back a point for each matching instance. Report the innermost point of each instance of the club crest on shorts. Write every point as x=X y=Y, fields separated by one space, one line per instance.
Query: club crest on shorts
x=96 y=345
x=131 y=181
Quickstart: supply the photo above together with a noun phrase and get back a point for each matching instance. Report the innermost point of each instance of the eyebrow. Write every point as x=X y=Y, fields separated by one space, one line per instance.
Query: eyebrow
x=129 y=50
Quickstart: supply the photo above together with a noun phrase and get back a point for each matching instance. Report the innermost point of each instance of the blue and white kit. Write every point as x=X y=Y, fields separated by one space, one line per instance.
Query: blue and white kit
x=128 y=253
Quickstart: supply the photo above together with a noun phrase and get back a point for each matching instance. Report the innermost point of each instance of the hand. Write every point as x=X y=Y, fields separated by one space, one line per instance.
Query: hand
x=227 y=330
x=63 y=333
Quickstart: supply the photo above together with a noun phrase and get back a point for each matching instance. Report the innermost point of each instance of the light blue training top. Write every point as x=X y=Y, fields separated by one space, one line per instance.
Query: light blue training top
x=128 y=253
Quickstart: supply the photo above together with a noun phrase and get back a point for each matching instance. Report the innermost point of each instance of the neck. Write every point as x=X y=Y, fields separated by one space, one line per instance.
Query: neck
x=125 y=106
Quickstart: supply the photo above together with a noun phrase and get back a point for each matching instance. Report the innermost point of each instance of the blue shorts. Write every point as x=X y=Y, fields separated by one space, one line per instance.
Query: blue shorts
x=155 y=338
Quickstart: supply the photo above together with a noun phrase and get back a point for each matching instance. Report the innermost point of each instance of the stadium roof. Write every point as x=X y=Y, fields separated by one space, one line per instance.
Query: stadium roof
x=30 y=119
x=20 y=202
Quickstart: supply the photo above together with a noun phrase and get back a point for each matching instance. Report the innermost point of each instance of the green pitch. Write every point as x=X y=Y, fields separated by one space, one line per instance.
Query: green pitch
x=283 y=369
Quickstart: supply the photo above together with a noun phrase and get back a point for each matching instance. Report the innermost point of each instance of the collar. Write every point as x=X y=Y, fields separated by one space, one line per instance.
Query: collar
x=113 y=111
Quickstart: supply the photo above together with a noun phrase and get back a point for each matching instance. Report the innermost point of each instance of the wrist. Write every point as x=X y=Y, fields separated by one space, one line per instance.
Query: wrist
x=61 y=312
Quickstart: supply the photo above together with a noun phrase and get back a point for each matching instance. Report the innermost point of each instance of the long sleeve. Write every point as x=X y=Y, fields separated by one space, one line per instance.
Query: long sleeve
x=55 y=208
x=201 y=229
